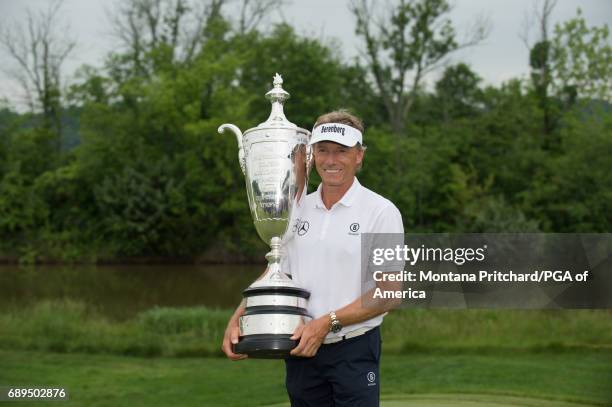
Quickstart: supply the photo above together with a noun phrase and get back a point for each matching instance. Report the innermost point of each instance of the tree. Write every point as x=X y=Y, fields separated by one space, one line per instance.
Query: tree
x=572 y=191
x=457 y=92
x=540 y=60
x=253 y=12
x=39 y=51
x=403 y=48
x=582 y=59
x=155 y=33
x=314 y=76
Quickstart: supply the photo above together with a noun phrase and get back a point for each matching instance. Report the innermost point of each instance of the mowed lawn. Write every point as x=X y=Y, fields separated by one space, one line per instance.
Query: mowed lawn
x=109 y=380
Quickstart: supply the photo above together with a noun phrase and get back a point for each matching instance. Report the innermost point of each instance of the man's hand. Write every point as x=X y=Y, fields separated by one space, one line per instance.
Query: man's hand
x=232 y=333
x=311 y=337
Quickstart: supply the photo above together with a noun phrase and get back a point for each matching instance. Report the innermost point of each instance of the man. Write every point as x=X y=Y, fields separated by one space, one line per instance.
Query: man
x=336 y=362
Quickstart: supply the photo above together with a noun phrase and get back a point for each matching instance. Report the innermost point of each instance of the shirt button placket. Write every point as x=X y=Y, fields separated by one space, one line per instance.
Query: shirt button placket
x=325 y=224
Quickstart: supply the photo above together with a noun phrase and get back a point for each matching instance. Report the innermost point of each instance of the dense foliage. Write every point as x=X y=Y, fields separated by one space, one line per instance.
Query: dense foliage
x=142 y=171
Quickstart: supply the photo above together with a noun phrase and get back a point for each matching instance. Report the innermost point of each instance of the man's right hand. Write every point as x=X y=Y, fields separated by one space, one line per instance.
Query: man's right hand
x=232 y=333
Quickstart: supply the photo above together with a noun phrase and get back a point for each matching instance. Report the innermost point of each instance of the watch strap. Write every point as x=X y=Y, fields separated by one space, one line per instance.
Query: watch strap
x=334 y=324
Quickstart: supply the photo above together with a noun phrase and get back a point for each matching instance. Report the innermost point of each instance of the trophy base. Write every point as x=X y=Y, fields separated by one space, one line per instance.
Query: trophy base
x=265 y=346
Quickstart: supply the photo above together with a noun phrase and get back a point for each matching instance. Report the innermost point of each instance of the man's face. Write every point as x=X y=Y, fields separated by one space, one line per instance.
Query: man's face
x=337 y=164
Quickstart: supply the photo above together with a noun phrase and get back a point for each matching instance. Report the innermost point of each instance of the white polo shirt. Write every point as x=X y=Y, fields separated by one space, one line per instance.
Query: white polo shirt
x=323 y=247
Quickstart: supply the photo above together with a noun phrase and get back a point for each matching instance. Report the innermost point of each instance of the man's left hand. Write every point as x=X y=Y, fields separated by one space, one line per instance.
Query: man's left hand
x=311 y=336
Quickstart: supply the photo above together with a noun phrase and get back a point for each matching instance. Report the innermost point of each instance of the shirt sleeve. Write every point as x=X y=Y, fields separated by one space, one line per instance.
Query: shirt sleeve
x=386 y=232
x=388 y=221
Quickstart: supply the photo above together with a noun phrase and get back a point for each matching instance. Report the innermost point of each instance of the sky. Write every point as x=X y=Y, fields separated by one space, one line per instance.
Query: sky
x=502 y=56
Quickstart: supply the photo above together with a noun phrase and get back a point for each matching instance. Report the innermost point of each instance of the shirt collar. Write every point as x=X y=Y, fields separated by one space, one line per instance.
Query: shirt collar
x=347 y=199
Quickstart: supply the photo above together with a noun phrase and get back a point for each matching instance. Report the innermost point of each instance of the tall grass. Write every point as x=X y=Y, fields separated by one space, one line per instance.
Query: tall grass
x=69 y=326
x=455 y=330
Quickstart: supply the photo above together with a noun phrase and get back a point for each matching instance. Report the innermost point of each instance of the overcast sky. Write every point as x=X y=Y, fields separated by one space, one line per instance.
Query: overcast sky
x=502 y=56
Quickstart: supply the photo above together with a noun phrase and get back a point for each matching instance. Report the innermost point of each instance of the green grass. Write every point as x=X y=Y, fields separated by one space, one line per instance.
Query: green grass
x=107 y=380
x=68 y=327
x=167 y=356
x=570 y=376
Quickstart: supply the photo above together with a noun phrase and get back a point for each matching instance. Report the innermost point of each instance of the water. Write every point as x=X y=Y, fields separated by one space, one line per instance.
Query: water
x=120 y=292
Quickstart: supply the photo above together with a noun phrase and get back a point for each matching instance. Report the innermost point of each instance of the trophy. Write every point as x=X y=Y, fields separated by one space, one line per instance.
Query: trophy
x=275 y=160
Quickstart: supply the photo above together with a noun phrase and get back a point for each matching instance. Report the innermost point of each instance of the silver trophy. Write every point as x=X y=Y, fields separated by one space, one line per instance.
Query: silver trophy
x=275 y=160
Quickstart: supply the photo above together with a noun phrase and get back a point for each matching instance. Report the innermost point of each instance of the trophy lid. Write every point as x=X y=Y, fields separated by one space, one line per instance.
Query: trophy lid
x=277 y=96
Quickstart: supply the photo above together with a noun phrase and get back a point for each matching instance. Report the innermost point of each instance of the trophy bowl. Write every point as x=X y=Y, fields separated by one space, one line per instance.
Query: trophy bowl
x=275 y=159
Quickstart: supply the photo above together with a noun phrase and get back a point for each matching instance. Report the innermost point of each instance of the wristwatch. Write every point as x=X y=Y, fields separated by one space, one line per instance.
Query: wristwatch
x=335 y=325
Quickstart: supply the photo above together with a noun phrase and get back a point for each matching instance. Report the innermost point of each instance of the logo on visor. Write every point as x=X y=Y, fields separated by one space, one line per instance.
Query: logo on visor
x=332 y=129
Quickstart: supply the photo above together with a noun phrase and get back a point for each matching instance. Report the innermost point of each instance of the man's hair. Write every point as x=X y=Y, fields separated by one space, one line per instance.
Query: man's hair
x=341 y=116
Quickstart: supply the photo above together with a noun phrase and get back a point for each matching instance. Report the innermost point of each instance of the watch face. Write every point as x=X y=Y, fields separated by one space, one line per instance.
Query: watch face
x=336 y=327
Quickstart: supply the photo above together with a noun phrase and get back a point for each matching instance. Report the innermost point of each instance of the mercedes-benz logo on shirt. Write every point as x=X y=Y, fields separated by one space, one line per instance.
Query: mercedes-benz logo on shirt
x=301 y=227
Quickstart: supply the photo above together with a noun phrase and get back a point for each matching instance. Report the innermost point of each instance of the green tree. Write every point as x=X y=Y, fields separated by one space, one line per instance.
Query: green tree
x=582 y=60
x=457 y=92
x=572 y=190
x=22 y=211
x=165 y=182
x=413 y=41
x=314 y=76
x=540 y=60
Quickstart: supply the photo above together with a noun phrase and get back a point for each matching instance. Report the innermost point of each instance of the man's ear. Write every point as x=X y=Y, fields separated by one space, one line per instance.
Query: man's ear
x=360 y=155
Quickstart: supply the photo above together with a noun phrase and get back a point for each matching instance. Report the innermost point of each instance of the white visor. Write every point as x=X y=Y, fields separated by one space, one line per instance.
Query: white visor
x=338 y=133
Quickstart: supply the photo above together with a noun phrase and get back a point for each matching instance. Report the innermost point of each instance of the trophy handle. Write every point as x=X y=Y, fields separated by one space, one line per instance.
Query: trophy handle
x=234 y=129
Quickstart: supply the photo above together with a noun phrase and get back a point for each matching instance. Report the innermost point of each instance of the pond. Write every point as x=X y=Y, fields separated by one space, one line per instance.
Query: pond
x=120 y=292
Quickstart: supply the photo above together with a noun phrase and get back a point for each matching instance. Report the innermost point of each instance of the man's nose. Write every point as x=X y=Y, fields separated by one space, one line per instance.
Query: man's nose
x=330 y=158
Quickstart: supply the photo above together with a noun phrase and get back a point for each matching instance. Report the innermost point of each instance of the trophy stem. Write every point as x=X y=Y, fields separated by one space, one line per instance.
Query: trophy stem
x=273 y=257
